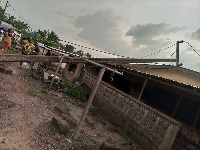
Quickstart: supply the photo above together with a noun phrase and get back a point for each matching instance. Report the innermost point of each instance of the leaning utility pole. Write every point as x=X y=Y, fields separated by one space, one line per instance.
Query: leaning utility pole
x=3 y=12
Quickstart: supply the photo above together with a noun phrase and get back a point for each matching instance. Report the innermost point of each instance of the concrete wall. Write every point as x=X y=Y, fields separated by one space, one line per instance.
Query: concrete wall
x=72 y=76
x=152 y=129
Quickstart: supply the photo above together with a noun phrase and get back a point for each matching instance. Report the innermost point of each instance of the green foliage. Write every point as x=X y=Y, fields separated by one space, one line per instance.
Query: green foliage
x=46 y=37
x=109 y=139
x=81 y=53
x=80 y=143
x=2 y=17
x=78 y=92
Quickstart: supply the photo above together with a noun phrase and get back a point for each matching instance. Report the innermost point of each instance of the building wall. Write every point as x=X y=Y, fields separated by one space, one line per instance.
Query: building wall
x=184 y=106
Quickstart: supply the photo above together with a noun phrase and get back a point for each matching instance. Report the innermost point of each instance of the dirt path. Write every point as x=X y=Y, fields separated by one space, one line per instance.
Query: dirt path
x=25 y=117
x=20 y=113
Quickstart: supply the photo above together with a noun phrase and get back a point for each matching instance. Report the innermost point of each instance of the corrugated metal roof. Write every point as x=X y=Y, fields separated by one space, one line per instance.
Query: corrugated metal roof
x=152 y=76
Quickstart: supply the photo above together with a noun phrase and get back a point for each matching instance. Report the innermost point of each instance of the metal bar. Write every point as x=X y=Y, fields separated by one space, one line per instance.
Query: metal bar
x=177 y=53
x=92 y=94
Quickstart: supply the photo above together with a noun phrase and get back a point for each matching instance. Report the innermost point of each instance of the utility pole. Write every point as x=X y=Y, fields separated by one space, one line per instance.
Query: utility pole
x=177 y=52
x=3 y=12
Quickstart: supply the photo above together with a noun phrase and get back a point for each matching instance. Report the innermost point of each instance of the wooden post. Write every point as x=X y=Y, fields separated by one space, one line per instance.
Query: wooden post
x=92 y=94
x=196 y=118
x=177 y=106
x=56 y=72
x=142 y=89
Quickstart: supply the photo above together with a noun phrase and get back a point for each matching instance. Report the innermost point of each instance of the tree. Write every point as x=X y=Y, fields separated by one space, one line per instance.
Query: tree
x=81 y=53
x=10 y=20
x=2 y=15
x=47 y=38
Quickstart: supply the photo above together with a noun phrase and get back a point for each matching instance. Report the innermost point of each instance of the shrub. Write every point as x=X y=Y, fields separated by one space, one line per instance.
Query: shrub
x=76 y=91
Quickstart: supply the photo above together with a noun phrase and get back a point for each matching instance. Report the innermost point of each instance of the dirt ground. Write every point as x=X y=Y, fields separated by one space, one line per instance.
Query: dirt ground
x=26 y=110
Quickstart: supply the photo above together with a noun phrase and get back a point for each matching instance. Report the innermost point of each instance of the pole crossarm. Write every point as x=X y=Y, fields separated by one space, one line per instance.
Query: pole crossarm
x=41 y=58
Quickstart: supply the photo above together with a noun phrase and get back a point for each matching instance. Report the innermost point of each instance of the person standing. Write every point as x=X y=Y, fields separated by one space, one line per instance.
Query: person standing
x=1 y=34
x=27 y=49
x=35 y=52
x=7 y=41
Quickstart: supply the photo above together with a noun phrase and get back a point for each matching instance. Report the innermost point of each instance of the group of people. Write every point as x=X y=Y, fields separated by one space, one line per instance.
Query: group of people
x=28 y=47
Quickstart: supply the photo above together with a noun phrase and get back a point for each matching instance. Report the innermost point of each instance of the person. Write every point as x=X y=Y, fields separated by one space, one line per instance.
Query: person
x=27 y=49
x=7 y=41
x=35 y=52
x=1 y=34
x=23 y=42
x=49 y=63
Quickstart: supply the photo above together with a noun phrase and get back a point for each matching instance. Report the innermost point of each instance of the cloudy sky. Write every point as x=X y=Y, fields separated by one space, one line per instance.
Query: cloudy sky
x=130 y=28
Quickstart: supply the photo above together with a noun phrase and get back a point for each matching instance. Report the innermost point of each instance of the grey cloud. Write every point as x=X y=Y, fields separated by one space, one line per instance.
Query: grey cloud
x=193 y=63
x=150 y=37
x=196 y=35
x=147 y=31
x=101 y=29
x=62 y=14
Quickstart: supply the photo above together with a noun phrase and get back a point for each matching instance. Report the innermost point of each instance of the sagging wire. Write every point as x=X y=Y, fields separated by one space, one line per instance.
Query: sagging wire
x=192 y=48
x=159 y=51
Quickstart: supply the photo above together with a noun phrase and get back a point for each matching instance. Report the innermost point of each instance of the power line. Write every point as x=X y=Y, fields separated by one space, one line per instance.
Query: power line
x=20 y=16
x=192 y=48
x=159 y=51
x=86 y=47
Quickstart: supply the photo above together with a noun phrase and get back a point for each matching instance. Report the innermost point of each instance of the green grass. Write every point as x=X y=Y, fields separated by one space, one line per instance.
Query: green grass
x=78 y=92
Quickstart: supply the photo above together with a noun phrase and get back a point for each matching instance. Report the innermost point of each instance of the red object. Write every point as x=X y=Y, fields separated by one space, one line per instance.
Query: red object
x=49 y=64
x=5 y=46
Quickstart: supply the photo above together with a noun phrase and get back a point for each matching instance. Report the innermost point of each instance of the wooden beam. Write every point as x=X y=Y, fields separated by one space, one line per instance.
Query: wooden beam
x=42 y=58
x=130 y=60
x=31 y=58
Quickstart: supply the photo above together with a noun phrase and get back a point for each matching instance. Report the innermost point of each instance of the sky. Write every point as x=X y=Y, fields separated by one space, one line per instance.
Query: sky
x=129 y=28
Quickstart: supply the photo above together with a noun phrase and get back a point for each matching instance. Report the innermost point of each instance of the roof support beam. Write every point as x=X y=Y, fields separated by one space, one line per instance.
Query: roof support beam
x=42 y=58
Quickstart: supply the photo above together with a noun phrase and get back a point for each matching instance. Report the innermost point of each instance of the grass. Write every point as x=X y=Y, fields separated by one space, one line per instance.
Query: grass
x=79 y=143
x=78 y=92
x=42 y=96
x=109 y=139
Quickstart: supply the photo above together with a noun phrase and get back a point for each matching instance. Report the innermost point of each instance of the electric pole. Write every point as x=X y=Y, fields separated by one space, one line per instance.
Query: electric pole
x=3 y=12
x=177 y=52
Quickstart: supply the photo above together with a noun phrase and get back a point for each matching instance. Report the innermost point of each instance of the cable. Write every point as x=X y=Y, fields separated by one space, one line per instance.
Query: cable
x=81 y=46
x=31 y=28
x=159 y=51
x=192 y=48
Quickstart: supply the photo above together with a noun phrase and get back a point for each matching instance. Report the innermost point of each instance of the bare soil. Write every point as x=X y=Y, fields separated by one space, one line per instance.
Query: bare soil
x=26 y=110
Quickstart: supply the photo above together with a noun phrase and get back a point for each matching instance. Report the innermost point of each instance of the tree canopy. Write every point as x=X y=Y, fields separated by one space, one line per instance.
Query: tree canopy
x=46 y=37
